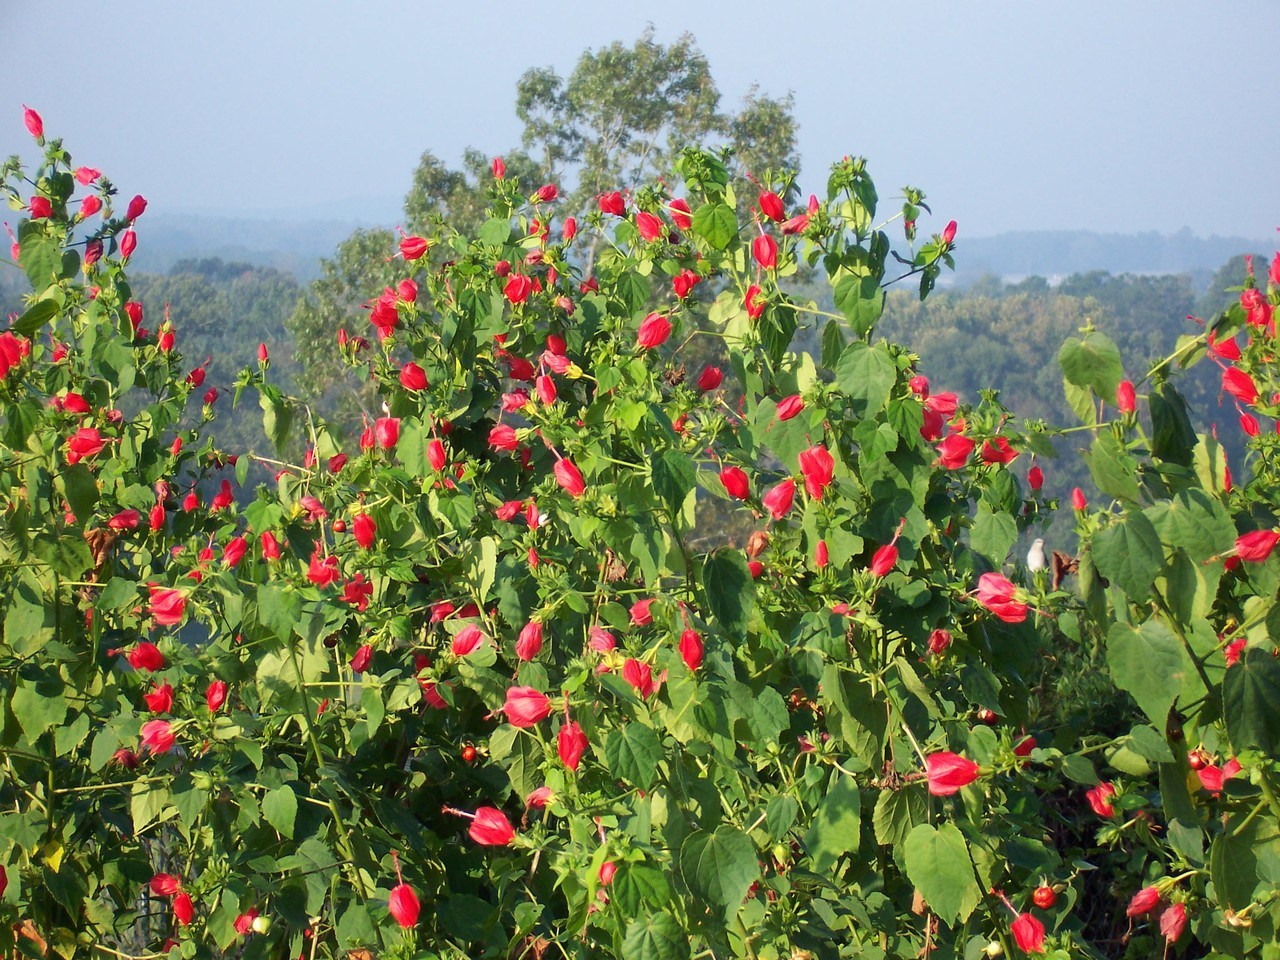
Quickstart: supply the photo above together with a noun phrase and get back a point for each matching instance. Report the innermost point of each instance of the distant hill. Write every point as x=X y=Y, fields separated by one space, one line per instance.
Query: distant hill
x=295 y=246
x=1059 y=253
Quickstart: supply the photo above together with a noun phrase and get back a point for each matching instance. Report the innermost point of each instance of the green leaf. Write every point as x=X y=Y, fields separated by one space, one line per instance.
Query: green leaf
x=28 y=623
x=278 y=609
x=40 y=313
x=40 y=256
x=897 y=813
x=39 y=707
x=1113 y=469
x=637 y=886
x=1173 y=439
x=937 y=862
x=866 y=374
x=716 y=223
x=1150 y=663
x=657 y=937
x=1093 y=362
x=836 y=828
x=833 y=343
x=861 y=300
x=993 y=534
x=730 y=591
x=674 y=475
x=495 y=231
x=1130 y=555
x=633 y=753
x=277 y=418
x=1251 y=702
x=280 y=807
x=1194 y=521
x=81 y=490
x=719 y=867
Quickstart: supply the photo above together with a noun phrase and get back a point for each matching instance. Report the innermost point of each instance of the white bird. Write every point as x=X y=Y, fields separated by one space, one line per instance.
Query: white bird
x=1036 y=559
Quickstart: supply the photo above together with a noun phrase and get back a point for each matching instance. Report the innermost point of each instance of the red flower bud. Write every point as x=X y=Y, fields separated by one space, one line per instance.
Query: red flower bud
x=612 y=204
x=790 y=407
x=386 y=432
x=1126 y=400
x=569 y=478
x=216 y=695
x=735 y=482
x=403 y=905
x=771 y=205
x=949 y=233
x=1028 y=933
x=691 y=650
x=778 y=501
x=654 y=331
x=1256 y=546
x=529 y=644
x=765 y=250
x=137 y=207
x=571 y=744
x=34 y=124
x=413 y=248
x=709 y=379
x=491 y=828
x=884 y=560
x=1099 y=798
x=948 y=772
x=526 y=706
x=1144 y=901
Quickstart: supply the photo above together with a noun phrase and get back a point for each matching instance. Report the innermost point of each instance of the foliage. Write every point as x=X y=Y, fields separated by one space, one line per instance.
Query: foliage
x=471 y=687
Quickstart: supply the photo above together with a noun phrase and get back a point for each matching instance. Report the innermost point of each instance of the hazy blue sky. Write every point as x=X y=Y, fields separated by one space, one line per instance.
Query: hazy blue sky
x=1112 y=116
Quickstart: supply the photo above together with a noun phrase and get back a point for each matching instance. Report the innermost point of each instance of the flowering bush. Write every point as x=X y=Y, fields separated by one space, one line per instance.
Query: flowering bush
x=482 y=684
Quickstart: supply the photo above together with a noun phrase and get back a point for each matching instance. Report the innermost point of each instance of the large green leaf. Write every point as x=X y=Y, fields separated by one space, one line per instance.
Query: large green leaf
x=658 y=937
x=1130 y=555
x=861 y=300
x=993 y=534
x=674 y=475
x=731 y=593
x=1251 y=702
x=280 y=807
x=40 y=313
x=1113 y=469
x=719 y=867
x=1150 y=663
x=716 y=223
x=897 y=813
x=937 y=862
x=1093 y=361
x=865 y=374
x=1194 y=521
x=836 y=827
x=633 y=753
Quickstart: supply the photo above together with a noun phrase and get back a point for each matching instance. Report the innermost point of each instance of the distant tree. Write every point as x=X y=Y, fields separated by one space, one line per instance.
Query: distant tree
x=615 y=122
x=1219 y=296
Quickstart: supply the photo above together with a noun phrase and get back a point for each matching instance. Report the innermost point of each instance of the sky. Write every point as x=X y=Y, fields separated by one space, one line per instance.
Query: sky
x=1118 y=116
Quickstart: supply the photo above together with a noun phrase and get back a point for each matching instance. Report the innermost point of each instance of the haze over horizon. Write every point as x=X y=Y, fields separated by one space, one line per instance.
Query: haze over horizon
x=1115 y=118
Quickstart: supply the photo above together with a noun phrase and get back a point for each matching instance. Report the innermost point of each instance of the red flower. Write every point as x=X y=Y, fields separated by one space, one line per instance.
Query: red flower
x=413 y=377
x=571 y=744
x=953 y=451
x=124 y=520
x=681 y=215
x=654 y=330
x=270 y=546
x=357 y=592
x=183 y=909
x=525 y=706
x=1173 y=921
x=364 y=529
x=436 y=455
x=640 y=675
x=884 y=560
x=1035 y=478
x=1212 y=777
x=1126 y=401
x=949 y=233
x=529 y=643
x=491 y=828
x=683 y=282
x=234 y=551
x=128 y=243
x=818 y=468
x=754 y=301
x=1240 y=385
x=165 y=885
x=709 y=379
x=821 y=555
x=939 y=640
x=413 y=248
x=34 y=124
x=503 y=437
x=1257 y=545
x=997 y=450
x=765 y=251
x=948 y=772
x=137 y=207
x=601 y=640
x=157 y=736
x=570 y=478
x=1144 y=901
x=612 y=204
x=606 y=872
x=771 y=205
x=86 y=442
x=386 y=432
x=160 y=700
x=404 y=906
x=243 y=924
x=467 y=640
x=789 y=407
x=642 y=612
x=735 y=482
x=691 y=650
x=146 y=656
x=996 y=592
x=517 y=288
x=546 y=193
x=778 y=500
x=1028 y=933
x=167 y=607
x=323 y=571
x=1099 y=798
x=216 y=695
x=650 y=227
